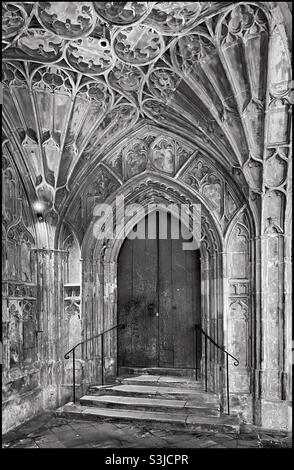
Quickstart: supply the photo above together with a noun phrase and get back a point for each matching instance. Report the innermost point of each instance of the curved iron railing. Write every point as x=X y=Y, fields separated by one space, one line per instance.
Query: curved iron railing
x=236 y=362
x=72 y=350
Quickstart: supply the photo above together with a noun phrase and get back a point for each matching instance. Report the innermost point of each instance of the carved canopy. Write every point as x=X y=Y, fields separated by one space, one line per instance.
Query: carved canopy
x=109 y=90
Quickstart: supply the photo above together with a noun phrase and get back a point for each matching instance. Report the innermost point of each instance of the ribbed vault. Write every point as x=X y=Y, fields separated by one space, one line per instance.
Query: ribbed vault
x=159 y=102
x=82 y=79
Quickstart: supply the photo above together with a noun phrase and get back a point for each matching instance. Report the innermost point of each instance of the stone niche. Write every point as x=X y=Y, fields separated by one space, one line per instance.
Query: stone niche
x=238 y=324
x=21 y=381
x=72 y=320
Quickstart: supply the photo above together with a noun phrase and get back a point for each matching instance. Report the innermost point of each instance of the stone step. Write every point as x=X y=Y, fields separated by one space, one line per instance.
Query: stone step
x=171 y=371
x=162 y=381
x=150 y=404
x=185 y=421
x=156 y=391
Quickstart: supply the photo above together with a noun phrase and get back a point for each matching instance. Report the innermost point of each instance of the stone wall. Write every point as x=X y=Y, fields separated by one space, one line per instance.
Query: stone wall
x=39 y=315
x=206 y=119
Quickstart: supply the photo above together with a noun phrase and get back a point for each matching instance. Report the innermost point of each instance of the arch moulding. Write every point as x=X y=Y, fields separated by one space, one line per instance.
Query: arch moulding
x=99 y=275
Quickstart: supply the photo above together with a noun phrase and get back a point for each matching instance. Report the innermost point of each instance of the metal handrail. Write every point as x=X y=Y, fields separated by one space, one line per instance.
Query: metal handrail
x=236 y=362
x=67 y=355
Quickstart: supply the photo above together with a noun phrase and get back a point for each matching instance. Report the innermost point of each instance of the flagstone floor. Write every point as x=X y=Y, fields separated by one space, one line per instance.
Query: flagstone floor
x=47 y=431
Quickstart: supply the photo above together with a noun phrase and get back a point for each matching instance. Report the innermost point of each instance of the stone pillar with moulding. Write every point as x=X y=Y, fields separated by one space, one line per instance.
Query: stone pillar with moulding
x=275 y=242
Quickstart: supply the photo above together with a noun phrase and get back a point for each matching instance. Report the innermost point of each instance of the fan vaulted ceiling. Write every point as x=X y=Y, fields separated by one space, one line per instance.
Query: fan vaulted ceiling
x=82 y=80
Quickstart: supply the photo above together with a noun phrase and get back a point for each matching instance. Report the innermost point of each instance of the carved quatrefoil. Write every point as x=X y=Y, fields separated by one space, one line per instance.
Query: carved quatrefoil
x=70 y=20
x=137 y=46
x=122 y=13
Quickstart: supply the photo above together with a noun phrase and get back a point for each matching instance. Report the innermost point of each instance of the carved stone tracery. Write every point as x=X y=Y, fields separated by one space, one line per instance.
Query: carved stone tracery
x=207 y=180
x=122 y=13
x=149 y=151
x=69 y=20
x=120 y=56
x=81 y=78
x=171 y=18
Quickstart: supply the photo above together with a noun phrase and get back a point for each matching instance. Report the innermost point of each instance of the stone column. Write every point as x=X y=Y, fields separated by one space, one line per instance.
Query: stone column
x=238 y=318
x=219 y=320
x=275 y=248
x=110 y=320
x=92 y=321
x=99 y=304
x=275 y=329
x=50 y=267
x=205 y=302
x=212 y=350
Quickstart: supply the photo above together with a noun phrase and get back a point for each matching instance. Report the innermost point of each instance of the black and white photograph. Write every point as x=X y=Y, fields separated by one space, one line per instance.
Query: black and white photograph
x=147 y=229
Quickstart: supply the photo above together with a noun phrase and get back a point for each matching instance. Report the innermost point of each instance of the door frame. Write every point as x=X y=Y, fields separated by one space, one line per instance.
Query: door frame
x=99 y=273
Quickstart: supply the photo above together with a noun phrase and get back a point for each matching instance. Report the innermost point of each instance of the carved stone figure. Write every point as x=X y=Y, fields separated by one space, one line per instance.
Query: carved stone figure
x=163 y=155
x=134 y=159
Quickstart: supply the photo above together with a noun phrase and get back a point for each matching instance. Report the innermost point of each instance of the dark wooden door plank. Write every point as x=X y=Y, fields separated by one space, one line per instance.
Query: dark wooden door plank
x=158 y=276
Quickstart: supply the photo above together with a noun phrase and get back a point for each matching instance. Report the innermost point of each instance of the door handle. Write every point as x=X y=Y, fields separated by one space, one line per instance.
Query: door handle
x=150 y=308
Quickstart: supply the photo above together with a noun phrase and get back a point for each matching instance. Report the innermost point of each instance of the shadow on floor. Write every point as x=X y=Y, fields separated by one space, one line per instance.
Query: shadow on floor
x=48 y=431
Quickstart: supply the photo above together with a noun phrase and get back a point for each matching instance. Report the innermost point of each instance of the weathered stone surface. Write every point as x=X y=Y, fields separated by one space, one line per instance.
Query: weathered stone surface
x=197 y=423
x=145 y=390
x=276 y=414
x=118 y=400
x=162 y=381
x=89 y=434
x=150 y=404
x=156 y=102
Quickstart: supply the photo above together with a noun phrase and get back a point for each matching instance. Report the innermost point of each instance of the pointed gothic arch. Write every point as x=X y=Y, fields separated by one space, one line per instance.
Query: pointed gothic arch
x=99 y=285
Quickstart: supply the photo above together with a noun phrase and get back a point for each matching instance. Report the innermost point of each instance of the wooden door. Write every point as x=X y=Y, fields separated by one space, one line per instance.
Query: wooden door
x=158 y=301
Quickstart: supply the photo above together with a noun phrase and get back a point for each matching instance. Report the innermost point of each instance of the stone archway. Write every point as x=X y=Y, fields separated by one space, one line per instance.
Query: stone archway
x=215 y=117
x=99 y=284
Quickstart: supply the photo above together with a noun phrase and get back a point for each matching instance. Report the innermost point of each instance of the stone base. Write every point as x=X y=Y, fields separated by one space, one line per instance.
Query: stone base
x=240 y=404
x=19 y=409
x=276 y=414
